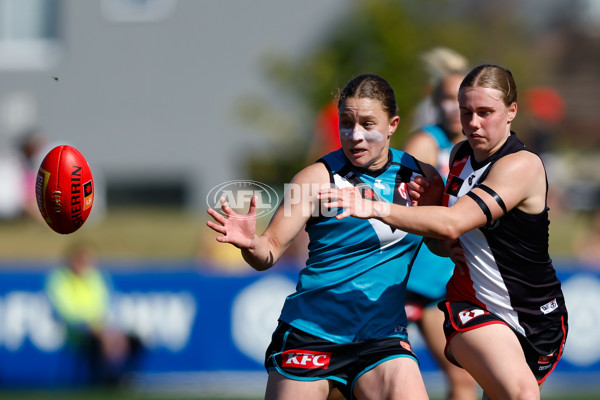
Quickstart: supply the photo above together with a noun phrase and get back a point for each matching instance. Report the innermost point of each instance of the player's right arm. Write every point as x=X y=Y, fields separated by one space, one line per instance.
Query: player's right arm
x=263 y=251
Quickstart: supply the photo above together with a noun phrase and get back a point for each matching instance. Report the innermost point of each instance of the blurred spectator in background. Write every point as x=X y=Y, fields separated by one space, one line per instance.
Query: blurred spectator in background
x=426 y=286
x=326 y=136
x=12 y=189
x=546 y=108
x=81 y=297
x=19 y=163
x=438 y=63
x=32 y=147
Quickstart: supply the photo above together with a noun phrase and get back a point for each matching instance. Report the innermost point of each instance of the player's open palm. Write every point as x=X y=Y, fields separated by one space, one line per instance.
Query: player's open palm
x=237 y=229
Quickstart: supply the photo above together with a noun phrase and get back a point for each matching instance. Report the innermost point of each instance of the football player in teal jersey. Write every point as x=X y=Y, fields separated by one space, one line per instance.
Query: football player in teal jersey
x=345 y=326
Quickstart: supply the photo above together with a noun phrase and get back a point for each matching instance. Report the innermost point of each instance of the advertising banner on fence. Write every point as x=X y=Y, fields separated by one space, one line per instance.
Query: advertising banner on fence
x=191 y=322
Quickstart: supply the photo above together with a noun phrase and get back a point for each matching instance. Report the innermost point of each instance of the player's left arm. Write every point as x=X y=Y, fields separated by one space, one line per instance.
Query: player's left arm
x=518 y=180
x=515 y=181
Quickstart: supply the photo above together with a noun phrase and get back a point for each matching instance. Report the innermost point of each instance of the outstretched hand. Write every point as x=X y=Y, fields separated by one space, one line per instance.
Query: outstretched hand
x=426 y=191
x=237 y=229
x=352 y=203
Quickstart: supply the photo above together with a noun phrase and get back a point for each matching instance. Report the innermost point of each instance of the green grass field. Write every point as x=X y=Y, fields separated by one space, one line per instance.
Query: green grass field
x=166 y=234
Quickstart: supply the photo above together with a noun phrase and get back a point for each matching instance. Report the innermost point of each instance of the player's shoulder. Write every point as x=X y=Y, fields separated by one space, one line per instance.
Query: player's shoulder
x=316 y=173
x=334 y=161
x=521 y=163
x=522 y=159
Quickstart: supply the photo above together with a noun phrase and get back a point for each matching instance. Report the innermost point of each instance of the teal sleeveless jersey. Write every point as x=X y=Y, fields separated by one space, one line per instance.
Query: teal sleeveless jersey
x=353 y=287
x=430 y=272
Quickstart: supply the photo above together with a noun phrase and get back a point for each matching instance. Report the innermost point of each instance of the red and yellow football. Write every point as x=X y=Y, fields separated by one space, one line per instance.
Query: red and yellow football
x=64 y=189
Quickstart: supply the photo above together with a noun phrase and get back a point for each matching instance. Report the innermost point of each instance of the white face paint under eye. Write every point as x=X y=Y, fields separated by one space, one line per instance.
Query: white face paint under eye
x=361 y=134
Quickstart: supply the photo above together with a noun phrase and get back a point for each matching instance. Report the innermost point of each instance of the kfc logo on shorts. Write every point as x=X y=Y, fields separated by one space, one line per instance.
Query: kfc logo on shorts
x=305 y=359
x=467 y=315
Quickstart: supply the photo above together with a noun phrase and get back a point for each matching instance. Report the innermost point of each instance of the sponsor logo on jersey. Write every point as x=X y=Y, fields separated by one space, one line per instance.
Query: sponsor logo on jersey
x=459 y=163
x=349 y=175
x=454 y=185
x=471 y=179
x=402 y=190
x=305 y=359
x=378 y=184
x=368 y=194
x=468 y=315
x=549 y=307
x=400 y=329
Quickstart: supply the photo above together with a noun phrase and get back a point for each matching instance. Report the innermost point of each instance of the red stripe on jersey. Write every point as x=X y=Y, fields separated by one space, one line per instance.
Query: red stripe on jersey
x=455 y=171
x=460 y=287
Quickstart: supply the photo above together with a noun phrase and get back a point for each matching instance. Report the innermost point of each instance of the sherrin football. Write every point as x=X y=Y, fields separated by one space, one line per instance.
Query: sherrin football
x=64 y=189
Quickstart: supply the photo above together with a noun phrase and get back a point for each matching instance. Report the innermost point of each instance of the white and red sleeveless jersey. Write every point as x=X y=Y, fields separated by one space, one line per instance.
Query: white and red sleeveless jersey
x=510 y=272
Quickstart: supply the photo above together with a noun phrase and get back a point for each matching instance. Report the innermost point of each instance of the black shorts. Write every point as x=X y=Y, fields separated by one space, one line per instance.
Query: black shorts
x=301 y=356
x=464 y=316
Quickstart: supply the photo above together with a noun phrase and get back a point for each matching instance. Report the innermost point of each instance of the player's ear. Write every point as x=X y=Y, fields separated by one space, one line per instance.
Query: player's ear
x=512 y=111
x=393 y=125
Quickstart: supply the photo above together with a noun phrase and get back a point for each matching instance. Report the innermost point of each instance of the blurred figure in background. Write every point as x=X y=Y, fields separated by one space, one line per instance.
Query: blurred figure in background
x=326 y=136
x=546 y=109
x=32 y=147
x=12 y=189
x=427 y=283
x=438 y=63
x=80 y=295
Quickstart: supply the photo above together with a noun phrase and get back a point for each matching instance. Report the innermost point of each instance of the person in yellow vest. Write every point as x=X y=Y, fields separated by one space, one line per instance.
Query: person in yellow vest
x=80 y=296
